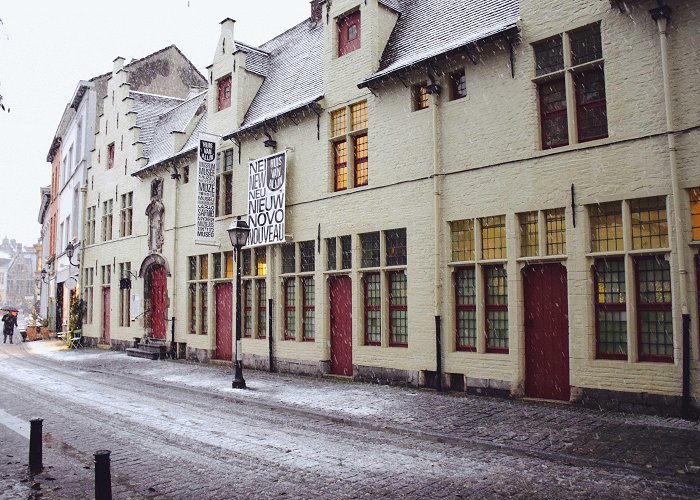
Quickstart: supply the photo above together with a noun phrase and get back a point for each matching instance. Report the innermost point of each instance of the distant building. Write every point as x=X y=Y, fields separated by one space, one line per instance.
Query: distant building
x=19 y=275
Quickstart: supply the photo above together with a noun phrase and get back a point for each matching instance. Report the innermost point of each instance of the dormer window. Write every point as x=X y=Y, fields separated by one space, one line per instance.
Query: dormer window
x=349 y=33
x=224 y=94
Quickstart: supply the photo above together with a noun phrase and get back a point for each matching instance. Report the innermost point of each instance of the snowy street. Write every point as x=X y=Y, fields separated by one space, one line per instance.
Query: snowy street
x=178 y=430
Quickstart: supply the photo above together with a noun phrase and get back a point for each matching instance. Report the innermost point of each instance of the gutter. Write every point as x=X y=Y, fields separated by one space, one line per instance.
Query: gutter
x=662 y=15
x=311 y=104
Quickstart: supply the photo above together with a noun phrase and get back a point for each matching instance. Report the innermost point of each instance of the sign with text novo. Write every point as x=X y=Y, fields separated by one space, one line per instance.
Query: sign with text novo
x=266 y=199
x=206 y=189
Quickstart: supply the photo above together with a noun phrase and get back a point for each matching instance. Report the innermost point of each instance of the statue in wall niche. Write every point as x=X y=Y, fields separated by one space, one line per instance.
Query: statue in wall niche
x=154 y=212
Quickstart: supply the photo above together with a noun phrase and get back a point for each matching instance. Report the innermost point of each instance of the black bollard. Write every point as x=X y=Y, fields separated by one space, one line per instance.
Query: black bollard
x=103 y=476
x=35 y=458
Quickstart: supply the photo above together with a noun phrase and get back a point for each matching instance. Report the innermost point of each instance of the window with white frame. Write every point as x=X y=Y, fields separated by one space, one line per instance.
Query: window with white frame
x=107 y=220
x=198 y=294
x=125 y=294
x=90 y=225
x=224 y=183
x=126 y=214
x=88 y=277
x=632 y=279
x=542 y=232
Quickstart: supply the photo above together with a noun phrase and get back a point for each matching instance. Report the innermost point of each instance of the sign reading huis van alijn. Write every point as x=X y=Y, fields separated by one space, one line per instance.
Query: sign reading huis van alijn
x=266 y=199
x=206 y=189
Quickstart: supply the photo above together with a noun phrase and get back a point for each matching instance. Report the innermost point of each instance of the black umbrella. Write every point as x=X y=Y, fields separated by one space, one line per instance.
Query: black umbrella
x=9 y=308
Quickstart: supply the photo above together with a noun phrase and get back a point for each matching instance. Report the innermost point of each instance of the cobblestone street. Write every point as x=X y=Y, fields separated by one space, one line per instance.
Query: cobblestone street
x=178 y=430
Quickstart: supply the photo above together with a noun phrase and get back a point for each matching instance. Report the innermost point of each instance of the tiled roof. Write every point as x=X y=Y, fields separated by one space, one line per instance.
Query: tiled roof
x=428 y=28
x=174 y=119
x=294 y=73
x=149 y=108
x=392 y=4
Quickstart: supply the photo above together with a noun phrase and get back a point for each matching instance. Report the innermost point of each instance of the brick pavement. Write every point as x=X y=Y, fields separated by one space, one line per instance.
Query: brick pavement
x=409 y=428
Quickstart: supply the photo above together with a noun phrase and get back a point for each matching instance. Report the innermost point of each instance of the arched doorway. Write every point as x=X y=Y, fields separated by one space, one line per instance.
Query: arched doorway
x=154 y=271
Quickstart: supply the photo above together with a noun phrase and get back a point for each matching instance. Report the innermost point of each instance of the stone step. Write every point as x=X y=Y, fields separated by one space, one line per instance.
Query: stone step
x=141 y=353
x=157 y=348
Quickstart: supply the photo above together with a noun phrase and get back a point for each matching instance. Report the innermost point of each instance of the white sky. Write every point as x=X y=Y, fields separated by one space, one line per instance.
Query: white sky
x=47 y=47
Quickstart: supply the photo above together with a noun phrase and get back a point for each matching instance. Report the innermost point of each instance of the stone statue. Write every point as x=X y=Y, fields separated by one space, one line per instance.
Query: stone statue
x=154 y=212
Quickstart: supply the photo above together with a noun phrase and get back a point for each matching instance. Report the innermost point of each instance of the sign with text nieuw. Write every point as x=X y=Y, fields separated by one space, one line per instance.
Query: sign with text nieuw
x=206 y=189
x=266 y=199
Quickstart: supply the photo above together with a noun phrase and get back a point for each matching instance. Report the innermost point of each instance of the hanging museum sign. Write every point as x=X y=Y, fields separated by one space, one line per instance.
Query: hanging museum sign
x=266 y=199
x=206 y=189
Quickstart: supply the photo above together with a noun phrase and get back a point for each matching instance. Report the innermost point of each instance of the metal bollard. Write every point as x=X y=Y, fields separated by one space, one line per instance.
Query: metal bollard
x=35 y=452
x=103 y=476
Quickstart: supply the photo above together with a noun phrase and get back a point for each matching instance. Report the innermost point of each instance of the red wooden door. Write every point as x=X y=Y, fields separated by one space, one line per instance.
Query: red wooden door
x=224 y=301
x=341 y=325
x=105 y=314
x=159 y=293
x=546 y=332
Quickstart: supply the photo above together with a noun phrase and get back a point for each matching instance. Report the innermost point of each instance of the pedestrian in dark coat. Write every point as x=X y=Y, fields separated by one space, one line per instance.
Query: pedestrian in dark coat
x=10 y=322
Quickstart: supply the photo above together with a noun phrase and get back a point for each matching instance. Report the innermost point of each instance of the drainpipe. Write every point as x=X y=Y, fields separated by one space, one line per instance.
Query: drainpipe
x=83 y=218
x=662 y=15
x=175 y=176
x=434 y=91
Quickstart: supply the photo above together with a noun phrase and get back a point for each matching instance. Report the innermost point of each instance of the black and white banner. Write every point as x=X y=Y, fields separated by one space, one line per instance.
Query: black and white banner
x=206 y=189
x=266 y=199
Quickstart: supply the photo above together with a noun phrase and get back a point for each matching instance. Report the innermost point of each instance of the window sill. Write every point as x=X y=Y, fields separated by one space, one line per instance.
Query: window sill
x=541 y=258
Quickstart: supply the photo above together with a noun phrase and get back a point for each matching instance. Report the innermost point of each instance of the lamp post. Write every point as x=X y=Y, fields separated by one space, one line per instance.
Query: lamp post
x=238 y=233
x=70 y=251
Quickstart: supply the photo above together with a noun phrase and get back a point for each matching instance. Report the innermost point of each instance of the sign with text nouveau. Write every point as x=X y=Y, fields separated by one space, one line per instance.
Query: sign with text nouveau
x=266 y=199
x=206 y=189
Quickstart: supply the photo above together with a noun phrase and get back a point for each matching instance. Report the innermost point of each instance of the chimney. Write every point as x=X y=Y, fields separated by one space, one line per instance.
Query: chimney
x=226 y=45
x=316 y=10
x=118 y=65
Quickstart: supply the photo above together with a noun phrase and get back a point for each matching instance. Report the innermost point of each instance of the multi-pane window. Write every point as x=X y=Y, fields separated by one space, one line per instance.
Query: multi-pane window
x=350 y=170
x=298 y=266
x=90 y=223
x=606 y=227
x=695 y=213
x=386 y=287
x=493 y=237
x=465 y=304
x=223 y=265
x=88 y=277
x=198 y=294
x=338 y=247
x=610 y=308
x=654 y=321
x=262 y=308
x=556 y=231
x=370 y=249
x=373 y=308
x=247 y=308
x=126 y=214
x=649 y=223
x=398 y=308
x=462 y=240
x=290 y=298
x=224 y=183
x=107 y=220
x=254 y=292
x=496 y=308
x=529 y=238
x=650 y=306
x=420 y=96
x=458 y=85
x=349 y=33
x=223 y=100
x=573 y=60
x=110 y=155
x=331 y=254
x=125 y=294
x=345 y=252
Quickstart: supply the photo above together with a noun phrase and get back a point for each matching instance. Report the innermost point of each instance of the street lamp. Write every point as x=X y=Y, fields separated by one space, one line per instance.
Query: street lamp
x=43 y=275
x=238 y=233
x=70 y=251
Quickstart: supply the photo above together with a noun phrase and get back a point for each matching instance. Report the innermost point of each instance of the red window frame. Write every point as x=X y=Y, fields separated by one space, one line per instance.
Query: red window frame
x=396 y=308
x=606 y=307
x=361 y=152
x=262 y=308
x=192 y=292
x=247 y=308
x=308 y=307
x=368 y=307
x=289 y=309
x=599 y=105
x=345 y=27
x=340 y=166
x=110 y=156
x=488 y=307
x=463 y=308
x=547 y=116
x=224 y=94
x=649 y=306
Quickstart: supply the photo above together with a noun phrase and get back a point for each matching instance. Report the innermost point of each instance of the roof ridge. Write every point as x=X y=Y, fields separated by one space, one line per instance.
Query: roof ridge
x=308 y=19
x=251 y=47
x=156 y=95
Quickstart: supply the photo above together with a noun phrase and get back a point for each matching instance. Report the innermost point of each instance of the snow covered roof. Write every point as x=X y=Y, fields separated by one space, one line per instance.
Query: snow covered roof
x=149 y=108
x=173 y=119
x=427 y=28
x=293 y=70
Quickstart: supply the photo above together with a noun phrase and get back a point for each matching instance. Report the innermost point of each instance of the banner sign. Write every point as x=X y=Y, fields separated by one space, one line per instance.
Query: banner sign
x=206 y=189
x=266 y=199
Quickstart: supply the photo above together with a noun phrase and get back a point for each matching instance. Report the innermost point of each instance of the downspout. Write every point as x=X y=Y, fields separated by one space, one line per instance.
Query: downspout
x=83 y=219
x=173 y=273
x=434 y=90
x=662 y=15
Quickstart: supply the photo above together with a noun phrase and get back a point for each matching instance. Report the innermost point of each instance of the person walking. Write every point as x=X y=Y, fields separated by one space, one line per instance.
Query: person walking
x=10 y=322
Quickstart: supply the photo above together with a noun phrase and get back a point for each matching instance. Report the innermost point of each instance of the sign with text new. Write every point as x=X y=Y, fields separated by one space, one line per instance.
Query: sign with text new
x=266 y=199
x=206 y=189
